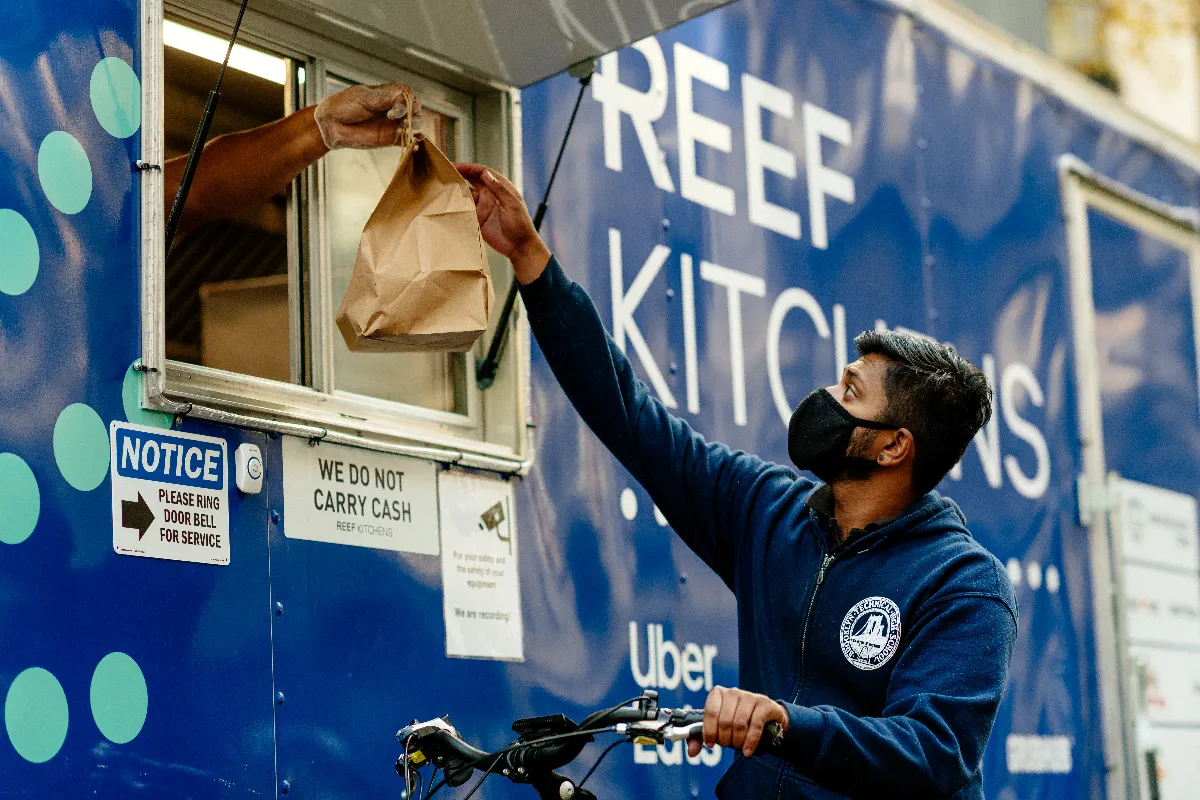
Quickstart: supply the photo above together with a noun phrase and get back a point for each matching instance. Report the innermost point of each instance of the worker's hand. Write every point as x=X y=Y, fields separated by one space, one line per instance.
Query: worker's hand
x=363 y=117
x=735 y=718
x=504 y=221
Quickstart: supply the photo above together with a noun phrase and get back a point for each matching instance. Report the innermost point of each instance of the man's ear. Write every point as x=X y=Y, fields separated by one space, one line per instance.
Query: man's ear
x=902 y=446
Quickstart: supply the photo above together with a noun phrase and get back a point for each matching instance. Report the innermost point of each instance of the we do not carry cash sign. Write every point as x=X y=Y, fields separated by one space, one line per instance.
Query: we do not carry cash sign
x=480 y=581
x=347 y=495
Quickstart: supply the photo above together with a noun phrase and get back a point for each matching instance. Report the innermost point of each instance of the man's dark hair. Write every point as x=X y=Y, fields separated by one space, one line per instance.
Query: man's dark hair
x=941 y=398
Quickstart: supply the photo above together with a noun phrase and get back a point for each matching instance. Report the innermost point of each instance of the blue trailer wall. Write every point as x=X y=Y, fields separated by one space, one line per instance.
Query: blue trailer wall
x=955 y=230
x=297 y=662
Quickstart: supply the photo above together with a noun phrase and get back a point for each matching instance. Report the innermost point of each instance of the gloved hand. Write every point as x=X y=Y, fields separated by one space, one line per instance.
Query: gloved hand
x=364 y=117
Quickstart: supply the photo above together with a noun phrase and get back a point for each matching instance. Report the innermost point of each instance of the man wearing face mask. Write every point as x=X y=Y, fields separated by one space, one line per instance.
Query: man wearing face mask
x=872 y=627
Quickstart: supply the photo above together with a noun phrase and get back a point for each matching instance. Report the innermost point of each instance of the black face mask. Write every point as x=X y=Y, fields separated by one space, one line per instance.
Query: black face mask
x=819 y=436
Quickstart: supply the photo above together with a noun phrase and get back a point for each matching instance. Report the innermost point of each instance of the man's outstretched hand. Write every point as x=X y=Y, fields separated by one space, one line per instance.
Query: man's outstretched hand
x=736 y=718
x=504 y=221
x=363 y=117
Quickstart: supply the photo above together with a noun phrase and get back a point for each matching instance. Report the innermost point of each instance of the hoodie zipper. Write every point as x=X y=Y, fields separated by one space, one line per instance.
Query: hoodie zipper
x=827 y=560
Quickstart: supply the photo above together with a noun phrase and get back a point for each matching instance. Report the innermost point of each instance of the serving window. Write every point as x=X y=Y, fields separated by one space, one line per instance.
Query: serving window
x=239 y=316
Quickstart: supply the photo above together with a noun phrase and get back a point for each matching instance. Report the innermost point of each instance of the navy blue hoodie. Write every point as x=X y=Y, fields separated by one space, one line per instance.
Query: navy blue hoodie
x=889 y=650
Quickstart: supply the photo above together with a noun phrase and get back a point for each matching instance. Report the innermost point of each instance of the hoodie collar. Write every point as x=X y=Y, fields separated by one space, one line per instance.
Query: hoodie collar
x=914 y=519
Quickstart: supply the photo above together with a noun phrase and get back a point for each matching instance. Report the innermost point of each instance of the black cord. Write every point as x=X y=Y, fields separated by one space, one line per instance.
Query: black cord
x=485 y=373
x=596 y=718
x=519 y=745
x=434 y=789
x=193 y=162
x=407 y=769
x=432 y=777
x=607 y=750
x=487 y=772
x=536 y=742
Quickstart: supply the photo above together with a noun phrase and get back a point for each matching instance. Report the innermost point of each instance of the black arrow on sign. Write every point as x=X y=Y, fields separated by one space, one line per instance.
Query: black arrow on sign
x=137 y=515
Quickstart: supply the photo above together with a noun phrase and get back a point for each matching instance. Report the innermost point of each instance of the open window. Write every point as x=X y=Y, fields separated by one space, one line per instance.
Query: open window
x=239 y=318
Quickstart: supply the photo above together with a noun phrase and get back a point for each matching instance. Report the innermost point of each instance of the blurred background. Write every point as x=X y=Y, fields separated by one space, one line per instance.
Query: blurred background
x=1143 y=50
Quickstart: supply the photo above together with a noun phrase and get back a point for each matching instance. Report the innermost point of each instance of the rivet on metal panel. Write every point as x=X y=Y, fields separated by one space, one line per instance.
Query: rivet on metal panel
x=672 y=367
x=670 y=294
x=285 y=787
x=278 y=609
x=279 y=698
x=666 y=224
x=683 y=577
x=274 y=516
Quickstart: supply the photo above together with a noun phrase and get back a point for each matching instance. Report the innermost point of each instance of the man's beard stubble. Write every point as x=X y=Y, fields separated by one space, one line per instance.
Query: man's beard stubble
x=855 y=465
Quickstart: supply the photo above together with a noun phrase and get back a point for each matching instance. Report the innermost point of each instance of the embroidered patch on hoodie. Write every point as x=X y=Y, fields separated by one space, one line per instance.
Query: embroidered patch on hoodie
x=870 y=632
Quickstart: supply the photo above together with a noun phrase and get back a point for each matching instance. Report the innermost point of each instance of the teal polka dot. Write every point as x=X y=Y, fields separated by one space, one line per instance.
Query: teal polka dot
x=19 y=254
x=132 y=403
x=119 y=698
x=65 y=172
x=81 y=447
x=35 y=715
x=22 y=499
x=116 y=97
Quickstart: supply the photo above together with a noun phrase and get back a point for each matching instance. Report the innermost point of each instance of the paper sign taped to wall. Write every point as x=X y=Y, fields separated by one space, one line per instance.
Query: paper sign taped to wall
x=347 y=495
x=480 y=579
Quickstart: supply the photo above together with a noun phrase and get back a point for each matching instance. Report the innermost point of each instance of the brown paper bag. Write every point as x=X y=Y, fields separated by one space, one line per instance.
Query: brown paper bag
x=421 y=280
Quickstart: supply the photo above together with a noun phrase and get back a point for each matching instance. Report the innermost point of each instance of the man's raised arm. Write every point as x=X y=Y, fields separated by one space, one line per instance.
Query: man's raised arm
x=240 y=170
x=705 y=490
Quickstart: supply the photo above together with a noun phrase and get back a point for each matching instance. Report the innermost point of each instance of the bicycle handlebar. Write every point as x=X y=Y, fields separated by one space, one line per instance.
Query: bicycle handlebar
x=546 y=743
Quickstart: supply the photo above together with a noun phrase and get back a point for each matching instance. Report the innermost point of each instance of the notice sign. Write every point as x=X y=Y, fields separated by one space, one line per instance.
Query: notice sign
x=480 y=582
x=346 y=495
x=170 y=494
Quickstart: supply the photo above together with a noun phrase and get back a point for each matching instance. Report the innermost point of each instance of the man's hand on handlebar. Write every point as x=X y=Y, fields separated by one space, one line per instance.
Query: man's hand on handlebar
x=736 y=718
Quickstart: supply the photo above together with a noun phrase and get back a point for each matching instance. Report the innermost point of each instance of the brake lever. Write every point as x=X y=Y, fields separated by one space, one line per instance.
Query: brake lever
x=772 y=733
x=681 y=733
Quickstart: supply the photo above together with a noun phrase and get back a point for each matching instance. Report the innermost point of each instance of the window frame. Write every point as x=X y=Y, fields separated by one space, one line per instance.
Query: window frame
x=321 y=268
x=320 y=411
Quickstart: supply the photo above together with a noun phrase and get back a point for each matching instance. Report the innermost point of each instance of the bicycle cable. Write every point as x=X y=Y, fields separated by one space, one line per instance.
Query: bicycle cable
x=595 y=719
x=519 y=745
x=607 y=750
x=483 y=778
x=408 y=782
x=432 y=778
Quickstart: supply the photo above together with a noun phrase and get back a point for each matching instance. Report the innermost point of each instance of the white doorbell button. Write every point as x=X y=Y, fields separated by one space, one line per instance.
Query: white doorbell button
x=248 y=462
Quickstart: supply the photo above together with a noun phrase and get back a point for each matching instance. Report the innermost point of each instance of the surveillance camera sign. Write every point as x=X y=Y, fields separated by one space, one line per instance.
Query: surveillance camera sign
x=170 y=494
x=480 y=582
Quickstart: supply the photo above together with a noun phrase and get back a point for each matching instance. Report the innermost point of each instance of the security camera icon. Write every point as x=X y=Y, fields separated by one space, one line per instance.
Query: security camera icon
x=493 y=519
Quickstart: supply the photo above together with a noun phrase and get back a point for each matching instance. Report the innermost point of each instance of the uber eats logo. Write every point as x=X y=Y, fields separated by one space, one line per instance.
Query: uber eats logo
x=659 y=663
